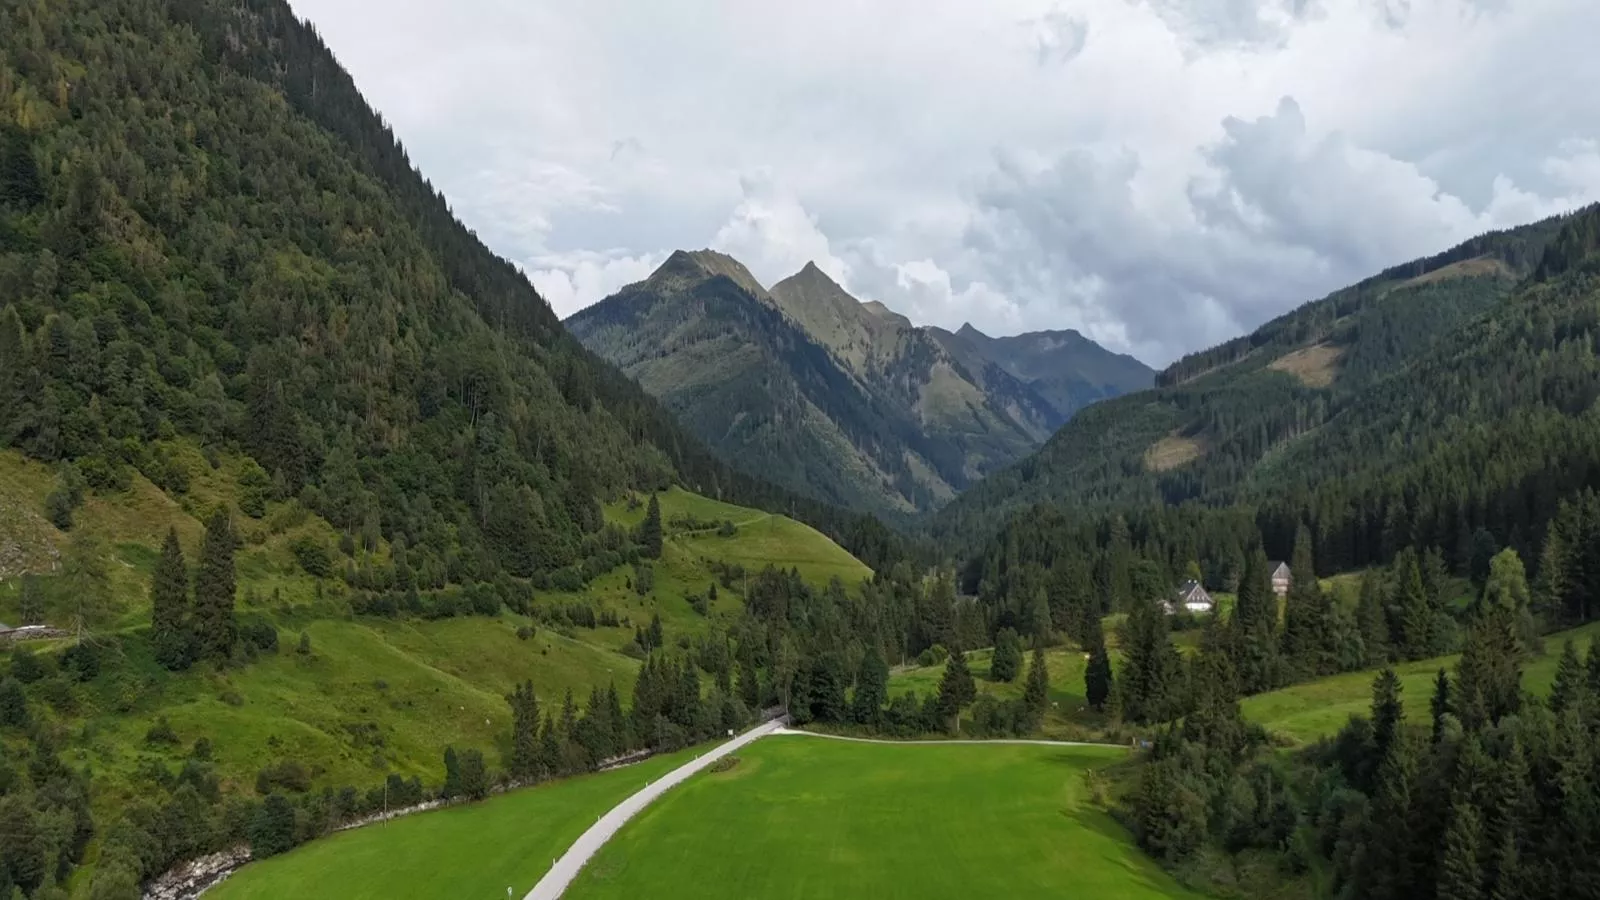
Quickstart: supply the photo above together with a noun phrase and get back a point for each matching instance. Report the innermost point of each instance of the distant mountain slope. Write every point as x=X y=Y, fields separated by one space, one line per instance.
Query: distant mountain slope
x=1276 y=410
x=1065 y=368
x=804 y=384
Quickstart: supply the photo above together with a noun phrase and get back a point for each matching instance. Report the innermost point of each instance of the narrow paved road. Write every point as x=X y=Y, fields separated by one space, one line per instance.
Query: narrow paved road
x=861 y=740
x=566 y=868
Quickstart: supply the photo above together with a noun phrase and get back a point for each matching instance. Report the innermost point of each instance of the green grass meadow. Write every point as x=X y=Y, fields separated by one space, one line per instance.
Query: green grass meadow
x=465 y=852
x=802 y=817
x=1316 y=709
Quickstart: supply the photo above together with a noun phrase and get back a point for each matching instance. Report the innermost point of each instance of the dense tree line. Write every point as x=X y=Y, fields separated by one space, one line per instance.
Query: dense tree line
x=1491 y=798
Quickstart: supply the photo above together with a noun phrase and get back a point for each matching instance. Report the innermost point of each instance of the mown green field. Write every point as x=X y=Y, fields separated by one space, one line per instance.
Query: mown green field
x=803 y=817
x=1316 y=709
x=474 y=851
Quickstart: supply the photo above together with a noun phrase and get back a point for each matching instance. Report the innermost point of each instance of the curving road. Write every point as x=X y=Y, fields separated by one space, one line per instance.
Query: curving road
x=566 y=868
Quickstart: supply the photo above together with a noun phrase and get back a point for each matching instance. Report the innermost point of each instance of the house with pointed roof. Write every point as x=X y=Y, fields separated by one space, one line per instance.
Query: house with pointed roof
x=1193 y=597
x=1281 y=577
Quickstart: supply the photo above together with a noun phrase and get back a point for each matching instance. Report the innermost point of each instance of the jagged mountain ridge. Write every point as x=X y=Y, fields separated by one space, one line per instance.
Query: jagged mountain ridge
x=844 y=400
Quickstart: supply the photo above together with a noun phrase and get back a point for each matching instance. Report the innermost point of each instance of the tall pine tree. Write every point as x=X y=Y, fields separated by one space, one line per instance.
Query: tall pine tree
x=524 y=762
x=170 y=632
x=1036 y=692
x=956 y=688
x=1460 y=872
x=215 y=628
x=650 y=530
x=1097 y=677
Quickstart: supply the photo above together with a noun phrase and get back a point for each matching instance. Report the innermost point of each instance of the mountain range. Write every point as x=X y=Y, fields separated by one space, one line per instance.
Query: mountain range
x=843 y=400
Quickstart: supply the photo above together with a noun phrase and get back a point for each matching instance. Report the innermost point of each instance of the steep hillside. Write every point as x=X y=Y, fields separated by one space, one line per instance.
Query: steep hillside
x=1277 y=411
x=229 y=245
x=989 y=417
x=844 y=400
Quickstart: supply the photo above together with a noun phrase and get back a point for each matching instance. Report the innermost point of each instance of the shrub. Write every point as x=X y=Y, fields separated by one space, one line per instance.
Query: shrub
x=13 y=704
x=725 y=764
x=27 y=667
x=231 y=698
x=58 y=508
x=259 y=635
x=525 y=632
x=255 y=487
x=272 y=827
x=933 y=655
x=161 y=733
x=312 y=556
x=286 y=774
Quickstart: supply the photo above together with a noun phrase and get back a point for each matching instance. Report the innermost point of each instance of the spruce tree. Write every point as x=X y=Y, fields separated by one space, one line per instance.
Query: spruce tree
x=1392 y=872
x=524 y=762
x=1489 y=674
x=872 y=689
x=452 y=775
x=1305 y=628
x=1372 y=621
x=1097 y=677
x=1151 y=668
x=474 y=775
x=547 y=747
x=215 y=627
x=650 y=530
x=1440 y=704
x=170 y=632
x=956 y=688
x=1254 y=628
x=1414 y=611
x=655 y=634
x=1036 y=693
x=1460 y=873
x=749 y=681
x=1571 y=687
x=1388 y=712
x=1006 y=663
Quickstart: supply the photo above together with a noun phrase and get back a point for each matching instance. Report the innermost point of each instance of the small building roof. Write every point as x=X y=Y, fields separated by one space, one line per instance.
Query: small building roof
x=4 y=627
x=1277 y=565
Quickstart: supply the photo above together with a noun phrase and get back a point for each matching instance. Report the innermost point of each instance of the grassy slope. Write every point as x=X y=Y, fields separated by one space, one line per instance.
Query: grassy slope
x=464 y=851
x=375 y=695
x=1320 y=708
x=803 y=817
x=1066 y=667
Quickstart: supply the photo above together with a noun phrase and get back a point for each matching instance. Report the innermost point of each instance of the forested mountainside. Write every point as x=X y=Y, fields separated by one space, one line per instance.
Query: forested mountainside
x=843 y=400
x=1271 y=416
x=206 y=232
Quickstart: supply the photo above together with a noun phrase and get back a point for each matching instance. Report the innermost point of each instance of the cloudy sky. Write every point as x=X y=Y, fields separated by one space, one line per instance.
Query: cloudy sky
x=1159 y=174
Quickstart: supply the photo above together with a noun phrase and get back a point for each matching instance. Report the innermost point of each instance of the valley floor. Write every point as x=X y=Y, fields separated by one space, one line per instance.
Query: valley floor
x=799 y=817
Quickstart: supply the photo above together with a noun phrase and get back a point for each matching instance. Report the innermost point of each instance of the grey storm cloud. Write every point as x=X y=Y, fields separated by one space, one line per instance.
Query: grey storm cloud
x=1159 y=174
